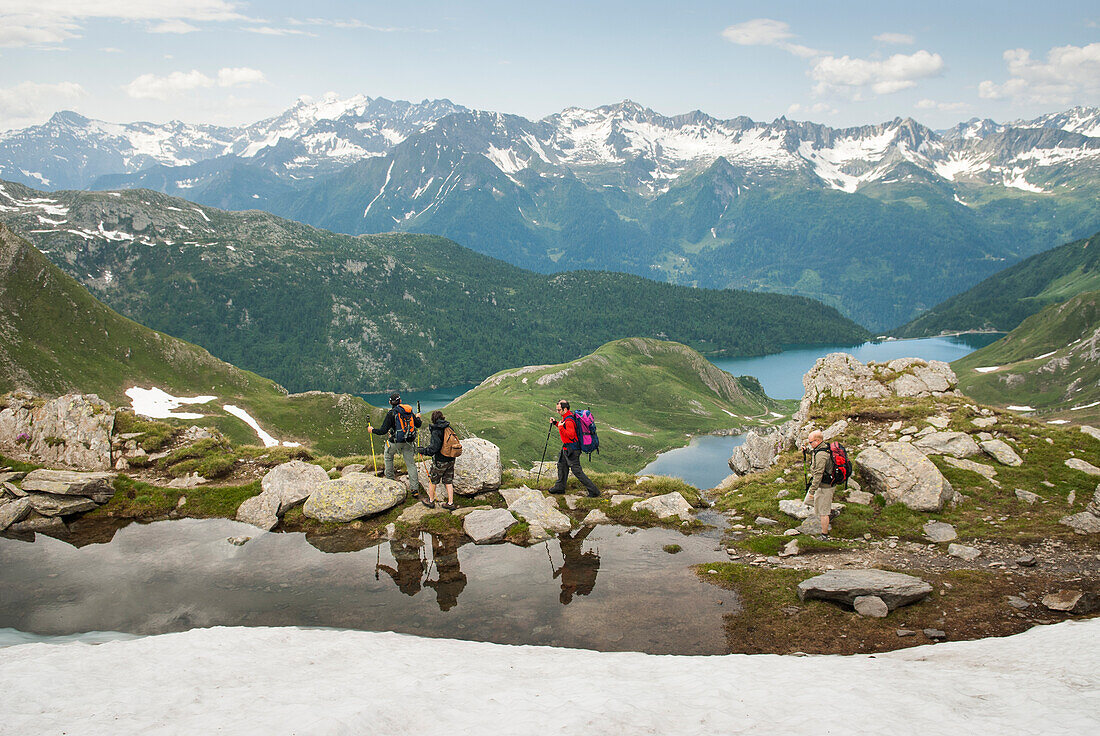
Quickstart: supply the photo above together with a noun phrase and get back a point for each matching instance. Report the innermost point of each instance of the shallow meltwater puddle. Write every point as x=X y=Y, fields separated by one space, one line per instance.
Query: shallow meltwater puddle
x=602 y=588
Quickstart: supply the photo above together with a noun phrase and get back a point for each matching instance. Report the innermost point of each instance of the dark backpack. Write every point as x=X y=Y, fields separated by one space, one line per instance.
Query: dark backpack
x=404 y=426
x=837 y=467
x=586 y=432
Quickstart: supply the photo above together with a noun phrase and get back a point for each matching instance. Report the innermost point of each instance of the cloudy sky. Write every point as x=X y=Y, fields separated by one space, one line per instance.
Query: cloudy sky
x=831 y=61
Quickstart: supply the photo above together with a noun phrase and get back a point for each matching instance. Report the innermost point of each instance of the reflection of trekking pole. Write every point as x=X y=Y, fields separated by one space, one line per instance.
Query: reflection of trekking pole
x=377 y=559
x=550 y=558
x=539 y=476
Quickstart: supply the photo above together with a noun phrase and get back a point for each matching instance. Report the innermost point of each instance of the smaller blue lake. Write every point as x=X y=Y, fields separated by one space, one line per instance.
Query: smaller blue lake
x=430 y=399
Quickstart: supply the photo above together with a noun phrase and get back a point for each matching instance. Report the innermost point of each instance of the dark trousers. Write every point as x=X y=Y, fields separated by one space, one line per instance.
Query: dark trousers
x=571 y=460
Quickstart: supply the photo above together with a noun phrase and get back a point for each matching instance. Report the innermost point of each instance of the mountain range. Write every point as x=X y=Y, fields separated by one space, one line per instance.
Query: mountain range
x=882 y=221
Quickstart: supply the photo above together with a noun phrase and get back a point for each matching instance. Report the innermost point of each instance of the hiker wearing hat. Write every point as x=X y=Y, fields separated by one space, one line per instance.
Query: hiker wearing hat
x=569 y=459
x=400 y=426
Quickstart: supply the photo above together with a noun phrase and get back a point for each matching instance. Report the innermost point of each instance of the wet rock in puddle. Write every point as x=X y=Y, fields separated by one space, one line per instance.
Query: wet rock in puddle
x=667 y=505
x=596 y=516
x=486 y=527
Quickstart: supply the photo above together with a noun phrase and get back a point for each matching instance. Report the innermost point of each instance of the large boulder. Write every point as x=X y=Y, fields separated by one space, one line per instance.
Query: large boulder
x=1082 y=523
x=353 y=496
x=488 y=526
x=97 y=486
x=73 y=430
x=292 y=482
x=667 y=505
x=921 y=378
x=902 y=474
x=262 y=510
x=758 y=451
x=478 y=468
x=536 y=509
x=955 y=444
x=50 y=504
x=844 y=586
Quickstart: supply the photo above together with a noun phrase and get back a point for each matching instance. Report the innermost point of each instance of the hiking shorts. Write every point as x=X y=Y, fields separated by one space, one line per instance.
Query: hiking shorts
x=823 y=501
x=442 y=472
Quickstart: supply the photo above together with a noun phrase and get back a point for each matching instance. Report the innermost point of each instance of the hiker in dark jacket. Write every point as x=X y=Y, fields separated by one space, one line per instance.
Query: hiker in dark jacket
x=442 y=469
x=406 y=448
x=570 y=456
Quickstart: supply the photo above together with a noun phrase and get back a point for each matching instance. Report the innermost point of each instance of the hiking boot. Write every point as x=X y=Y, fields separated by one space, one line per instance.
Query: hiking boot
x=822 y=537
x=427 y=501
x=593 y=494
x=450 y=506
x=556 y=491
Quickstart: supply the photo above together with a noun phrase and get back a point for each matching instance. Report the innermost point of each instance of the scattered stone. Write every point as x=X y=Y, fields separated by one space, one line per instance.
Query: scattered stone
x=939 y=421
x=984 y=436
x=13 y=512
x=1047 y=483
x=956 y=444
x=478 y=468
x=765 y=521
x=353 y=496
x=904 y=474
x=964 y=552
x=1000 y=451
x=1026 y=561
x=669 y=504
x=1027 y=496
x=594 y=517
x=71 y=483
x=861 y=498
x=1072 y=601
x=415 y=513
x=619 y=498
x=262 y=510
x=939 y=531
x=1073 y=462
x=935 y=634
x=1072 y=497
x=844 y=586
x=790 y=549
x=910 y=430
x=353 y=468
x=1091 y=431
x=535 y=508
x=870 y=606
x=895 y=426
x=49 y=504
x=464 y=510
x=784 y=493
x=486 y=527
x=1018 y=603
x=983 y=422
x=1082 y=523
x=191 y=480
x=902 y=633
x=238 y=541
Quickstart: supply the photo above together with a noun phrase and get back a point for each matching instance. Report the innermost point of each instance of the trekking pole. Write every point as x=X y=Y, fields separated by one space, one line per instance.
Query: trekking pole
x=373 y=457
x=416 y=432
x=545 y=445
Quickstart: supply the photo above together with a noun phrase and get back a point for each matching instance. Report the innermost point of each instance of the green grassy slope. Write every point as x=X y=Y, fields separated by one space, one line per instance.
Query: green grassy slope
x=1050 y=362
x=655 y=392
x=57 y=338
x=1005 y=299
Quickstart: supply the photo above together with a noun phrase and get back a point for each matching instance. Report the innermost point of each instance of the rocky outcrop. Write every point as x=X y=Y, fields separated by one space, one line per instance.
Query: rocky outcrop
x=13 y=511
x=844 y=586
x=535 y=508
x=761 y=448
x=292 y=482
x=478 y=468
x=353 y=496
x=902 y=474
x=486 y=527
x=955 y=444
x=842 y=376
x=96 y=486
x=71 y=431
x=667 y=505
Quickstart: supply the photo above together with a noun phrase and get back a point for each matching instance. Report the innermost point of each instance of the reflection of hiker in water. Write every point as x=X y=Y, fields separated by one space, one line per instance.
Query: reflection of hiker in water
x=452 y=581
x=579 y=569
x=410 y=567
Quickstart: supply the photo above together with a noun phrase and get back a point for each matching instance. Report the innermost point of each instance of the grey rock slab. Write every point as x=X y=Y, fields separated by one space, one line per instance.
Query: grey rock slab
x=835 y=429
x=861 y=498
x=13 y=490
x=44 y=524
x=623 y=498
x=1073 y=462
x=13 y=512
x=535 y=508
x=987 y=471
x=939 y=531
x=939 y=421
x=594 y=517
x=964 y=552
x=465 y=510
x=669 y=504
x=765 y=521
x=1091 y=431
x=955 y=444
x=262 y=510
x=983 y=422
x=415 y=513
x=870 y=606
x=69 y=482
x=798 y=510
x=291 y=483
x=12 y=476
x=810 y=527
x=536 y=533
x=50 y=504
x=478 y=468
x=903 y=474
x=844 y=586
x=1027 y=496
x=352 y=497
x=1082 y=523
x=1018 y=603
x=1000 y=451
x=486 y=527
x=935 y=634
x=353 y=468
x=790 y=549
x=1071 y=601
x=902 y=633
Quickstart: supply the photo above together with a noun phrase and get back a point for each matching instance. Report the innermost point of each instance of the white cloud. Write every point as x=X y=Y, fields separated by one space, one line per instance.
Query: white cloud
x=28 y=103
x=1069 y=74
x=766 y=32
x=818 y=108
x=51 y=22
x=150 y=86
x=173 y=26
x=927 y=104
x=271 y=31
x=900 y=39
x=354 y=23
x=851 y=77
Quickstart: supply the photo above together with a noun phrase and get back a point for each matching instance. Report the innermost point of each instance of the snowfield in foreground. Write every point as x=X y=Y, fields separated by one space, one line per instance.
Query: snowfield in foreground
x=324 y=681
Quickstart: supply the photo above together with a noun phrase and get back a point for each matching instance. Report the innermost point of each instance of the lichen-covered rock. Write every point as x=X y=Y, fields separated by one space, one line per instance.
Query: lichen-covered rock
x=844 y=586
x=353 y=496
x=262 y=510
x=758 y=451
x=486 y=527
x=669 y=504
x=902 y=474
x=72 y=431
x=1000 y=451
x=939 y=531
x=478 y=468
x=292 y=482
x=535 y=508
x=955 y=444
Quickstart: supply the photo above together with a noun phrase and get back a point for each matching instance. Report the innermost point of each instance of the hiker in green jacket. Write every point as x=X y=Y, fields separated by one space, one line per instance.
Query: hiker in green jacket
x=819 y=493
x=400 y=426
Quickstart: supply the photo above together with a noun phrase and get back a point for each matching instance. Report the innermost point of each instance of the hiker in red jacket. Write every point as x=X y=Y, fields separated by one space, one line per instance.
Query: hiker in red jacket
x=570 y=456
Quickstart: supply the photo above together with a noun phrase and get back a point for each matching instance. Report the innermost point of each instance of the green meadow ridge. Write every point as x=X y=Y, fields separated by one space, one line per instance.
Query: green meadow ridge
x=313 y=309
x=57 y=338
x=1051 y=362
x=1006 y=298
x=647 y=397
